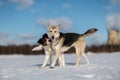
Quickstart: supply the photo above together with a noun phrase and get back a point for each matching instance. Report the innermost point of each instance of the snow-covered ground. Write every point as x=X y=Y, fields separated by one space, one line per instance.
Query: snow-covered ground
x=102 y=67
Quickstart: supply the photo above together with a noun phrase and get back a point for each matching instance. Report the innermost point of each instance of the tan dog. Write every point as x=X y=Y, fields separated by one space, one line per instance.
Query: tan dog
x=45 y=43
x=61 y=42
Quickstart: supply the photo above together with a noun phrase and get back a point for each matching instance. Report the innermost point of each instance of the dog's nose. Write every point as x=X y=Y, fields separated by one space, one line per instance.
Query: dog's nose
x=50 y=40
x=52 y=37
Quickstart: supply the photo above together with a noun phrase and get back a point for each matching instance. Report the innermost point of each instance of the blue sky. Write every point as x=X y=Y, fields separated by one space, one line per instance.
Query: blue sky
x=24 y=21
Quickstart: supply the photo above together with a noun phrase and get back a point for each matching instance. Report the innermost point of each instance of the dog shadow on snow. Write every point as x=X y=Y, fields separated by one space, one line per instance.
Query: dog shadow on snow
x=66 y=64
x=38 y=65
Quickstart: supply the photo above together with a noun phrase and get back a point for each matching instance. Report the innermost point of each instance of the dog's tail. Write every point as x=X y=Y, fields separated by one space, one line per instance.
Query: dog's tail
x=89 y=32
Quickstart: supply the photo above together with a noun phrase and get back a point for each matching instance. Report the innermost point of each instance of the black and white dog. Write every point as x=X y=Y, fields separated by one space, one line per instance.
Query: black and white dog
x=45 y=43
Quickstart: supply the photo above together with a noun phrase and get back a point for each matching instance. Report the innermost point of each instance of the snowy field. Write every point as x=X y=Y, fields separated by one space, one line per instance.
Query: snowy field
x=102 y=67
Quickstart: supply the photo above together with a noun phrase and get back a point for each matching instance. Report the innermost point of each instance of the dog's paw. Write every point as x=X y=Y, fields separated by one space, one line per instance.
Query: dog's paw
x=77 y=64
x=51 y=67
x=41 y=66
x=62 y=65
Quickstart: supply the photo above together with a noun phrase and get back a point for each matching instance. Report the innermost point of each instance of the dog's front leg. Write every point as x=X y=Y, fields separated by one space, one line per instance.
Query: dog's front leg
x=61 y=60
x=47 y=56
x=57 y=54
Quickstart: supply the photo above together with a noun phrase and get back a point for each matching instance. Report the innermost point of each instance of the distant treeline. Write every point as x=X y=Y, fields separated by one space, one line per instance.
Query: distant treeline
x=104 y=48
x=19 y=49
x=27 y=49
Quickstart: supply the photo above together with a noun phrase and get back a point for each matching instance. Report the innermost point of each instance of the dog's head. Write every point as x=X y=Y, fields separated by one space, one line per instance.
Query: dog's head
x=44 y=40
x=53 y=31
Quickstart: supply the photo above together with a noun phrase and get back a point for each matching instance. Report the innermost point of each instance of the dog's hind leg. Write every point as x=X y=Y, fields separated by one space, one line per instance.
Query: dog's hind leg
x=86 y=57
x=78 y=56
x=84 y=54
x=79 y=47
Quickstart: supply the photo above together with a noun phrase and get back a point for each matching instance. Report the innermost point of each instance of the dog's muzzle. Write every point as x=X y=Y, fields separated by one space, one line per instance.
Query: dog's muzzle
x=50 y=40
x=52 y=37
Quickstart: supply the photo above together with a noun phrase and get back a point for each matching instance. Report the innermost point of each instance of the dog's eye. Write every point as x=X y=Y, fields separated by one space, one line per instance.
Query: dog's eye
x=44 y=39
x=50 y=31
x=55 y=31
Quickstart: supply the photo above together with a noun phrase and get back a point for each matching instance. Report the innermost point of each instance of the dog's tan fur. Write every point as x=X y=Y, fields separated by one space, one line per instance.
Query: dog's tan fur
x=58 y=43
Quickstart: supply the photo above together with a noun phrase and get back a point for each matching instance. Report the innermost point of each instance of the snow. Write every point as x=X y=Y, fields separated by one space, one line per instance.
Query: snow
x=103 y=66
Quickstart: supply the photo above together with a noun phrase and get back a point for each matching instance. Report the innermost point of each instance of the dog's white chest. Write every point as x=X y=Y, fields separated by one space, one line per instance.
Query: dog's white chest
x=56 y=47
x=48 y=48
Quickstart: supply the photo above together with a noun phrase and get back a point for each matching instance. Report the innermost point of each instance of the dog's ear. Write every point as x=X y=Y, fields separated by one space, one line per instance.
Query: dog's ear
x=58 y=26
x=48 y=26
x=39 y=41
x=45 y=35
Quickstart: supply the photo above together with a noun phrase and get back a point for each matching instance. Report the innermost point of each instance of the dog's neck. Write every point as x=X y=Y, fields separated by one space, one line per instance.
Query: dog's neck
x=57 y=39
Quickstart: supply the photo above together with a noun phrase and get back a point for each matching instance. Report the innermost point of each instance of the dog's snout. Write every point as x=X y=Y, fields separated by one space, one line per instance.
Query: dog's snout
x=52 y=37
x=50 y=40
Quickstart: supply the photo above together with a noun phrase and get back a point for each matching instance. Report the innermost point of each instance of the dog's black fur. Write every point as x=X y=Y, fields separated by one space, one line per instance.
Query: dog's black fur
x=69 y=38
x=43 y=40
